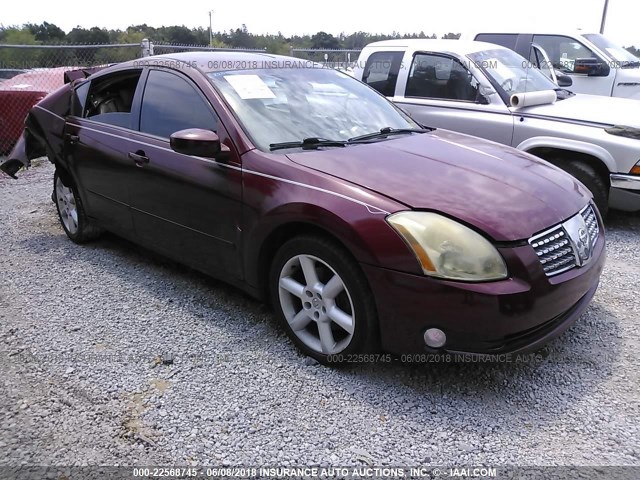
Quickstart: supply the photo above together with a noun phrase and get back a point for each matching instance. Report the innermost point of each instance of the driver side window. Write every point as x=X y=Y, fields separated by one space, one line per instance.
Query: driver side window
x=170 y=103
x=563 y=51
x=441 y=77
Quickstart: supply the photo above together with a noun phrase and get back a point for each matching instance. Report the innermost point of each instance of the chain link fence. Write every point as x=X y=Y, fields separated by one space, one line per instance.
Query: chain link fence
x=29 y=72
x=342 y=59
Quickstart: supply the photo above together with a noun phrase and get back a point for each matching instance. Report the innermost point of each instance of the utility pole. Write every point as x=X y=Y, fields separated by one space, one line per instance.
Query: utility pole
x=604 y=16
x=210 y=29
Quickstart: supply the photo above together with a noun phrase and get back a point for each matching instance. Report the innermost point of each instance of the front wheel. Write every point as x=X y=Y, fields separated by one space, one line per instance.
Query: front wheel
x=322 y=299
x=73 y=218
x=592 y=180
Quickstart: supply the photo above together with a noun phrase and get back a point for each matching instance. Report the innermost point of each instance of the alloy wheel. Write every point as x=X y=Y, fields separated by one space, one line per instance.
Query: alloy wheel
x=316 y=304
x=67 y=206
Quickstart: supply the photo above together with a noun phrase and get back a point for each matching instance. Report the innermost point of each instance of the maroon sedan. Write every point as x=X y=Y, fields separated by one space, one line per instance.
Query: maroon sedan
x=302 y=185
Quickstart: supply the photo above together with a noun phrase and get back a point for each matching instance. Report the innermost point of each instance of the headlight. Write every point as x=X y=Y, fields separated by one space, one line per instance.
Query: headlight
x=448 y=249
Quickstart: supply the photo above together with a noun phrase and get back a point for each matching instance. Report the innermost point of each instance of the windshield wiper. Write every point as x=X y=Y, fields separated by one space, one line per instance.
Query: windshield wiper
x=309 y=143
x=386 y=131
x=630 y=64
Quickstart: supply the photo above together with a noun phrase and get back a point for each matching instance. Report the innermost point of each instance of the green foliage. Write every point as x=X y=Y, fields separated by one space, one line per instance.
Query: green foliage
x=47 y=33
x=19 y=58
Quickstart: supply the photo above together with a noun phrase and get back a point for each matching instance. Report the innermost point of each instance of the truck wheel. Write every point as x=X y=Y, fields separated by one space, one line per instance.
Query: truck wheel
x=592 y=180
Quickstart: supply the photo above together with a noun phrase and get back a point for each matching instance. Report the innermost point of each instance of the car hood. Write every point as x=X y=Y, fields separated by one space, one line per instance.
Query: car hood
x=589 y=108
x=506 y=193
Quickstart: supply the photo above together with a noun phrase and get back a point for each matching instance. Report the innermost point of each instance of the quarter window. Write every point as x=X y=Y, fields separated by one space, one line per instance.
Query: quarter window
x=436 y=76
x=381 y=71
x=170 y=104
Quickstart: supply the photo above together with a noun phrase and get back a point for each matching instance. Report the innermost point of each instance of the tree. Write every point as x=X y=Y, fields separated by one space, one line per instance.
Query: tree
x=241 y=38
x=452 y=36
x=326 y=41
x=92 y=36
x=19 y=58
x=46 y=32
x=178 y=35
x=81 y=36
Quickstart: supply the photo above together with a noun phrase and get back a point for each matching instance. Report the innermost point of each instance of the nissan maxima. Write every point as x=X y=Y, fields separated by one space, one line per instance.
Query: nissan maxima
x=300 y=185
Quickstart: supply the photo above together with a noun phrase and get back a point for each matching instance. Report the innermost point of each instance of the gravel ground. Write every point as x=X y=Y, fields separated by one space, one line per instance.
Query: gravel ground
x=112 y=355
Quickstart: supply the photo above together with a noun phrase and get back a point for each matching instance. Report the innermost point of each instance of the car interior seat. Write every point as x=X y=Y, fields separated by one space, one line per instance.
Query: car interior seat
x=459 y=86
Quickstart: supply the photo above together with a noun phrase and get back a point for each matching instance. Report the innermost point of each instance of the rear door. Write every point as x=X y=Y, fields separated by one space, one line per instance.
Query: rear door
x=97 y=144
x=184 y=206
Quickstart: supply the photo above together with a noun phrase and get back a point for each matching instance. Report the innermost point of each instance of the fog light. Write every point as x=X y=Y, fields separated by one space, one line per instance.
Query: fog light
x=435 y=338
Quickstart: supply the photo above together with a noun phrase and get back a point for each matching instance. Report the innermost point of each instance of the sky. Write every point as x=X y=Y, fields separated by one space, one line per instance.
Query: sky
x=335 y=16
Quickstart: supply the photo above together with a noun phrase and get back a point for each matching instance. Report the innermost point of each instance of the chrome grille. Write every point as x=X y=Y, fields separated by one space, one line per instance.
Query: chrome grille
x=592 y=224
x=557 y=248
x=554 y=251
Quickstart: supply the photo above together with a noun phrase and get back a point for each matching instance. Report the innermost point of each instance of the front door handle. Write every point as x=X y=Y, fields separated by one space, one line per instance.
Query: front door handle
x=139 y=158
x=73 y=139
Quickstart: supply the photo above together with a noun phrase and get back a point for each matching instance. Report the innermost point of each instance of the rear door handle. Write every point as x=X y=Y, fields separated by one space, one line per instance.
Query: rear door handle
x=73 y=139
x=139 y=158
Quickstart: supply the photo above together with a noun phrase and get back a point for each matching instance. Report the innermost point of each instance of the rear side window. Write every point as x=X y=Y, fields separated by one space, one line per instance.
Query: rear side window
x=110 y=98
x=381 y=71
x=170 y=103
x=505 y=39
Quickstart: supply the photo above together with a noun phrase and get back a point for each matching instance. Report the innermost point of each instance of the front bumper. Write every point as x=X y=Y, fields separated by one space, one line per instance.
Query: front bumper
x=625 y=192
x=516 y=315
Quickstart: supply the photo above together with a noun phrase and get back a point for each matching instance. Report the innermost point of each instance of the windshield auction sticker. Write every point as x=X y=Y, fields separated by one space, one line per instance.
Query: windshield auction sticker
x=249 y=86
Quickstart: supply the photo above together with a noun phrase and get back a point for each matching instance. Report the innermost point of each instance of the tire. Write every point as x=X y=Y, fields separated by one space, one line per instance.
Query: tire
x=323 y=300
x=592 y=180
x=78 y=227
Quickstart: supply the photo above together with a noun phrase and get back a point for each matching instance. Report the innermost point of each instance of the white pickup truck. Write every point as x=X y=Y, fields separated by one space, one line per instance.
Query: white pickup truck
x=595 y=64
x=491 y=92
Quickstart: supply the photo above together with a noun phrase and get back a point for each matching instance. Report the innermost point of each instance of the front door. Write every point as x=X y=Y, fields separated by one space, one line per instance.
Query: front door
x=184 y=206
x=439 y=91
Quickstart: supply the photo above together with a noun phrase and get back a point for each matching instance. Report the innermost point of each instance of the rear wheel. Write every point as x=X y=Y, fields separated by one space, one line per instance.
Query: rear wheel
x=73 y=218
x=323 y=299
x=592 y=180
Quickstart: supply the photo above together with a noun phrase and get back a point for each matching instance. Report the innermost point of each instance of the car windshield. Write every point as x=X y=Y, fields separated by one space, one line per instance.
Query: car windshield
x=288 y=105
x=510 y=72
x=616 y=52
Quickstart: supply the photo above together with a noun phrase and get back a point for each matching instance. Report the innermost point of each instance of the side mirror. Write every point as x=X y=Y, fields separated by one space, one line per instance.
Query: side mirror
x=563 y=80
x=199 y=143
x=593 y=67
